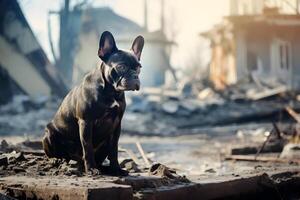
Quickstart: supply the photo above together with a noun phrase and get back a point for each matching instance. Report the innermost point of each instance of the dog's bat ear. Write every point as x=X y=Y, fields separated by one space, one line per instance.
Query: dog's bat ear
x=107 y=45
x=137 y=46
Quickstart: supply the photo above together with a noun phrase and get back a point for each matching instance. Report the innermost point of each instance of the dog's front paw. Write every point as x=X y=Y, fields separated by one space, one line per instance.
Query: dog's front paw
x=119 y=172
x=93 y=172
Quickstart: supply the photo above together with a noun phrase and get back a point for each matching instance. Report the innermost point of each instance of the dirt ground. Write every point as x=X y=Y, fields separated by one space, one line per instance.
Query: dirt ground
x=198 y=159
x=195 y=154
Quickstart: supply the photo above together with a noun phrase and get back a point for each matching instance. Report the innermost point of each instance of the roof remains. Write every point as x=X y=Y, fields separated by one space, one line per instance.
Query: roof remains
x=16 y=34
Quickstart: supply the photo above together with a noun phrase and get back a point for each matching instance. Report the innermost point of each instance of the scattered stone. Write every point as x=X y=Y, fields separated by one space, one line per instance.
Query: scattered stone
x=3 y=161
x=41 y=173
x=14 y=157
x=170 y=107
x=55 y=172
x=73 y=171
x=20 y=157
x=4 y=146
x=73 y=163
x=130 y=165
x=18 y=169
x=32 y=162
x=211 y=170
x=5 y=197
x=36 y=145
x=291 y=151
x=163 y=171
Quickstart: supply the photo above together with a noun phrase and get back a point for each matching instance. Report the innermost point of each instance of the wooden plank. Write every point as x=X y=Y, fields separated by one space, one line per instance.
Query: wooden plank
x=131 y=155
x=253 y=158
x=295 y=115
x=267 y=93
x=139 y=146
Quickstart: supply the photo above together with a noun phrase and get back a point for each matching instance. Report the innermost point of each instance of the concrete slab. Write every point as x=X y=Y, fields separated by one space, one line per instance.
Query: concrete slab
x=81 y=188
x=274 y=185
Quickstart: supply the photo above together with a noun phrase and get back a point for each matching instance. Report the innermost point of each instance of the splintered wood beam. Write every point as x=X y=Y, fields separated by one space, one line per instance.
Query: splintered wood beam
x=252 y=158
x=293 y=113
x=268 y=93
x=263 y=145
x=131 y=155
x=139 y=146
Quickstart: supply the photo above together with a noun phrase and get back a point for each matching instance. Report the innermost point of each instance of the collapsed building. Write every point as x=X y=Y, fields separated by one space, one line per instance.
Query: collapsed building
x=24 y=66
x=124 y=30
x=258 y=41
x=78 y=54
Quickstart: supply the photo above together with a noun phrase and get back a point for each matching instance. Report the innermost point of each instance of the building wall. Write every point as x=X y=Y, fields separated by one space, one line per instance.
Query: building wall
x=222 y=67
x=258 y=43
x=262 y=44
x=296 y=60
x=86 y=57
x=153 y=61
x=22 y=71
x=242 y=7
x=241 y=55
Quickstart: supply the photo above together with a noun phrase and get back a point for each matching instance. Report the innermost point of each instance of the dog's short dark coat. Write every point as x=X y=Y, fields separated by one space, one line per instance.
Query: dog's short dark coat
x=87 y=124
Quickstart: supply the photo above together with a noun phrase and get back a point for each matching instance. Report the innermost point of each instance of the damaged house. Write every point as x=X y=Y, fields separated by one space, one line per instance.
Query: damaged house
x=24 y=66
x=258 y=42
x=124 y=30
x=88 y=23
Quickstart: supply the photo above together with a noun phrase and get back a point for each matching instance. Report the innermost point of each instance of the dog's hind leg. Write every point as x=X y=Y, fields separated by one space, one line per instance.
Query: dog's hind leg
x=53 y=143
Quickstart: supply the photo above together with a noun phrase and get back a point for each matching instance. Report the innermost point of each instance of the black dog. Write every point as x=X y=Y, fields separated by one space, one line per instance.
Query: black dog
x=87 y=124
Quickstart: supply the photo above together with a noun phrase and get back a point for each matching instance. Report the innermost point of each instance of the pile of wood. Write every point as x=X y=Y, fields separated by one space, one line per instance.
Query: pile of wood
x=285 y=145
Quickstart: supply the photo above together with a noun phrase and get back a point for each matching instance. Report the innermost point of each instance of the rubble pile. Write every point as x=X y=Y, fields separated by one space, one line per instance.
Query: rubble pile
x=169 y=112
x=281 y=144
x=160 y=111
x=27 y=116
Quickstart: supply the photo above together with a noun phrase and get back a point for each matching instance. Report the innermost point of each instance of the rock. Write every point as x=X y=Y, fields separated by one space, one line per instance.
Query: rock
x=73 y=163
x=14 y=157
x=18 y=169
x=190 y=105
x=32 y=162
x=291 y=151
x=3 y=161
x=41 y=173
x=5 y=197
x=211 y=170
x=20 y=157
x=4 y=146
x=163 y=171
x=205 y=93
x=170 y=107
x=130 y=165
x=55 y=172
x=73 y=171
x=54 y=162
x=36 y=145
x=140 y=104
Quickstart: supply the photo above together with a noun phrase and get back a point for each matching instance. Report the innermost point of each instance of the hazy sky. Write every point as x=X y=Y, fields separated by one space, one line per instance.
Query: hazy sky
x=186 y=17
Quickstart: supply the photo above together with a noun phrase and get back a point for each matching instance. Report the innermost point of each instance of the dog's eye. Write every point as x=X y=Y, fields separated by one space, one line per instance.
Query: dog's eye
x=121 y=69
x=137 y=67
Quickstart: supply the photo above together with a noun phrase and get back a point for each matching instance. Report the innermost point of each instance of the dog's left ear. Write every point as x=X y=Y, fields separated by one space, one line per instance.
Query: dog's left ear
x=137 y=46
x=107 y=45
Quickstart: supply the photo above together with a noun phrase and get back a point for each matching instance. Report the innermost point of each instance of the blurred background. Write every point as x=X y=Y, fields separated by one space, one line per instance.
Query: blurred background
x=211 y=70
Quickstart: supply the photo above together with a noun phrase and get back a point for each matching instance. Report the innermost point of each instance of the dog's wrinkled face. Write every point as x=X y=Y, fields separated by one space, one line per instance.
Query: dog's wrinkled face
x=125 y=70
x=124 y=66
